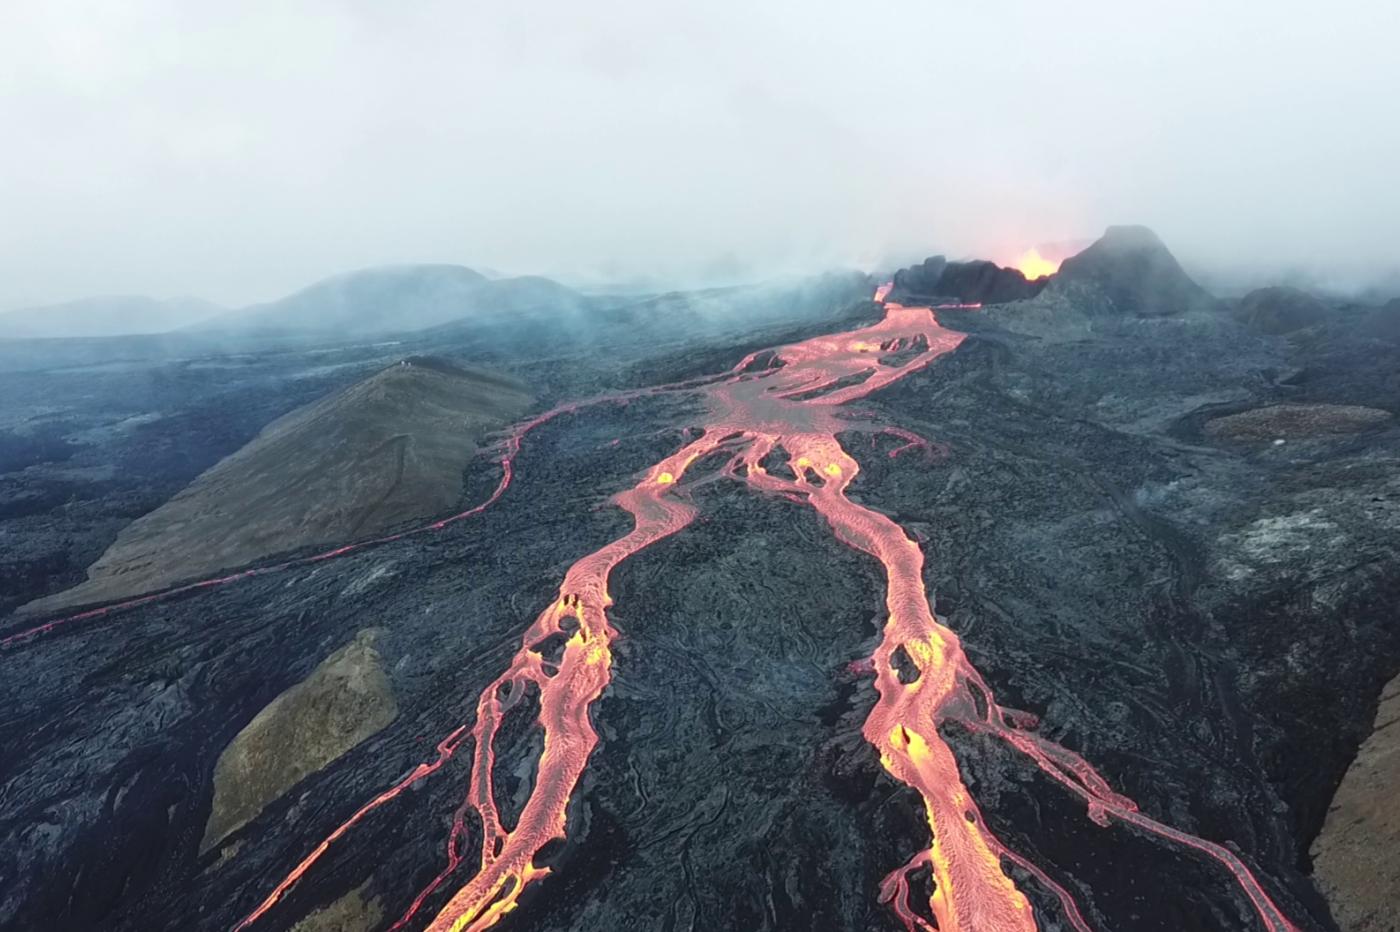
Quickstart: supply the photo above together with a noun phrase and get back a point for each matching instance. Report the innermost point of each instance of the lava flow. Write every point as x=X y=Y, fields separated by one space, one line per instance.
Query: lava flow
x=774 y=422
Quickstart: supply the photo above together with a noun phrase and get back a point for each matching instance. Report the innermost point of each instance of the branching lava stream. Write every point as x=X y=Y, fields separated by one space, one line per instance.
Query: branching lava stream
x=785 y=405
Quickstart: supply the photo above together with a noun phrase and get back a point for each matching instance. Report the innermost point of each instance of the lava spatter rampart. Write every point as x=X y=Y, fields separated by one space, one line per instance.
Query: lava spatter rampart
x=781 y=403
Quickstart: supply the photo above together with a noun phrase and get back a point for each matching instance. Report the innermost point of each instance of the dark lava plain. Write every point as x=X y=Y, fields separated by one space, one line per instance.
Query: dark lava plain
x=1209 y=624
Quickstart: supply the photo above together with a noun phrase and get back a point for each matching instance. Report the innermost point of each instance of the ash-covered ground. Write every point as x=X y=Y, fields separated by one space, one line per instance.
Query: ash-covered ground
x=1201 y=607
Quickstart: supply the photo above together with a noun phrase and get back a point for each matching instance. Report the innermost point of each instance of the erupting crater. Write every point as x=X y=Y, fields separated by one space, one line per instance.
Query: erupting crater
x=1033 y=265
x=783 y=403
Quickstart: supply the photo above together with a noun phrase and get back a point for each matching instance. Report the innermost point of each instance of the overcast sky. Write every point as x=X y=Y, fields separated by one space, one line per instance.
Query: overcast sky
x=240 y=150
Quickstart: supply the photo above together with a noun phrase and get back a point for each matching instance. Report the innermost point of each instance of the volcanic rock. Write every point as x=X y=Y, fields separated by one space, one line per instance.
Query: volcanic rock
x=978 y=282
x=983 y=282
x=1278 y=310
x=351 y=913
x=921 y=279
x=344 y=701
x=1353 y=856
x=1128 y=271
x=383 y=451
x=1294 y=421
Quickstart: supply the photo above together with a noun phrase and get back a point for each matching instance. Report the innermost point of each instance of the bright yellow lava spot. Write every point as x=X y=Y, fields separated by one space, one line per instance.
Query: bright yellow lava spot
x=665 y=479
x=803 y=462
x=926 y=653
x=912 y=743
x=862 y=346
x=832 y=470
x=1033 y=265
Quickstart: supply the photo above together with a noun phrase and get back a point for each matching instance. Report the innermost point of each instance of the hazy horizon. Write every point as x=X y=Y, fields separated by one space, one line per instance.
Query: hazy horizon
x=165 y=149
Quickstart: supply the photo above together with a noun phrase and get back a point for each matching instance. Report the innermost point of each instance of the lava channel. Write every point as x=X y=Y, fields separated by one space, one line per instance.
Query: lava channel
x=781 y=402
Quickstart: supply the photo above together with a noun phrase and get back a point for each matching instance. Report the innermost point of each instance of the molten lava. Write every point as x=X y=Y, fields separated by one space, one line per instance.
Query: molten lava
x=784 y=402
x=1033 y=265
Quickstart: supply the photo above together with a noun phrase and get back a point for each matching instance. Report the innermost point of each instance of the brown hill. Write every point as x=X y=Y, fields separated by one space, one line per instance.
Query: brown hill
x=1353 y=857
x=381 y=452
x=344 y=701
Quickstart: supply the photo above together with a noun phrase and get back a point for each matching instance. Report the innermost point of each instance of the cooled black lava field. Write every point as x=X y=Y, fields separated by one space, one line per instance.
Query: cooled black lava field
x=1158 y=531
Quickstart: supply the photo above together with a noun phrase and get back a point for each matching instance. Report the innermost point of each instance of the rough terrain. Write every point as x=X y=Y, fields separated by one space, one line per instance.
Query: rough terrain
x=1208 y=620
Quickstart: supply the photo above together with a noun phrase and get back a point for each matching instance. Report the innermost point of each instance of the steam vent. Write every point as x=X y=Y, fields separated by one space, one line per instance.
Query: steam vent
x=968 y=597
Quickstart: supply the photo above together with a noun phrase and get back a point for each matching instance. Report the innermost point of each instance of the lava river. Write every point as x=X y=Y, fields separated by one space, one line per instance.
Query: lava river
x=773 y=422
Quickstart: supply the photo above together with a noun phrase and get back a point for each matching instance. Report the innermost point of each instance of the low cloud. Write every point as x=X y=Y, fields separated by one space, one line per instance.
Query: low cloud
x=241 y=151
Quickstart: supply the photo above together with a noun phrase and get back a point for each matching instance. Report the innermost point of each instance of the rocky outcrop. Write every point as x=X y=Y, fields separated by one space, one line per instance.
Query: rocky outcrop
x=351 y=913
x=1294 y=422
x=1353 y=857
x=1279 y=310
x=1128 y=271
x=985 y=282
x=979 y=282
x=921 y=279
x=384 y=451
x=344 y=701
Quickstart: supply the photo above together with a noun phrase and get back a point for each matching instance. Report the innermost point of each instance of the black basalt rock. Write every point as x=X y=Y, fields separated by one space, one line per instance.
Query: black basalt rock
x=983 y=282
x=977 y=282
x=922 y=278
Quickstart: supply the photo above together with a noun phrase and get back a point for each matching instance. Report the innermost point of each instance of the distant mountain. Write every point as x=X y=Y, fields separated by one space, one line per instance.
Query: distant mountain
x=396 y=298
x=634 y=326
x=107 y=316
x=721 y=309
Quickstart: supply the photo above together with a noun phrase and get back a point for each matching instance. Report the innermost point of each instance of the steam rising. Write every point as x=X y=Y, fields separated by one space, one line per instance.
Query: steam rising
x=239 y=152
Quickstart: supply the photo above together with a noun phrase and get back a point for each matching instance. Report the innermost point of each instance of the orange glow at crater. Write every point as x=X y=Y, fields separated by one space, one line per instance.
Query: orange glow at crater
x=1033 y=265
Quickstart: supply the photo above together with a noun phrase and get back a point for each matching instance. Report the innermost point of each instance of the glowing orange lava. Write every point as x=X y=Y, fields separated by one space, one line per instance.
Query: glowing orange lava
x=1033 y=265
x=781 y=405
